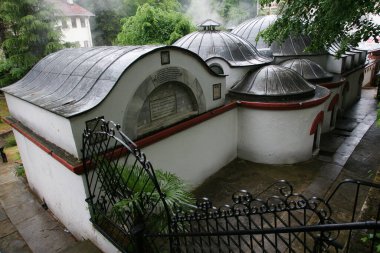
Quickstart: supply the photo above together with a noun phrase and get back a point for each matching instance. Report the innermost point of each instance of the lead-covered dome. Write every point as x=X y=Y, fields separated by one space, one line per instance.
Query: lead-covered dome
x=273 y=83
x=211 y=43
x=249 y=30
x=309 y=70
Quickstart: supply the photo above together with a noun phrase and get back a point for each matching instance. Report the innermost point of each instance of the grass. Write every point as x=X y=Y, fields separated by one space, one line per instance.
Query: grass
x=12 y=154
x=3 y=113
x=10 y=141
x=20 y=171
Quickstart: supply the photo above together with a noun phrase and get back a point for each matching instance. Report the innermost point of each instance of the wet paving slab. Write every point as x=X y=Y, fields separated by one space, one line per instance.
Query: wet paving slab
x=24 y=225
x=315 y=177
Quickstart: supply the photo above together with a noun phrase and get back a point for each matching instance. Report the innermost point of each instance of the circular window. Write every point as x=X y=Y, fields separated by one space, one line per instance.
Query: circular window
x=217 y=69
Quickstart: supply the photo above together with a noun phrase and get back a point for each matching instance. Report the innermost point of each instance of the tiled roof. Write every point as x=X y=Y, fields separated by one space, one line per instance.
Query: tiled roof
x=68 y=10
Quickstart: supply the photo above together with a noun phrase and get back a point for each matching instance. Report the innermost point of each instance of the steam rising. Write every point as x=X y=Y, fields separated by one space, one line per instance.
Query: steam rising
x=200 y=10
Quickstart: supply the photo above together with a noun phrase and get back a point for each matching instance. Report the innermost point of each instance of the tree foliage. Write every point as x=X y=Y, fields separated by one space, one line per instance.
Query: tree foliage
x=28 y=34
x=106 y=27
x=328 y=21
x=236 y=11
x=108 y=14
x=153 y=25
x=106 y=24
x=167 y=5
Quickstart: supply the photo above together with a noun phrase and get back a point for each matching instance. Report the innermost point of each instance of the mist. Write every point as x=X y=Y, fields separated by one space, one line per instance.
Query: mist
x=200 y=10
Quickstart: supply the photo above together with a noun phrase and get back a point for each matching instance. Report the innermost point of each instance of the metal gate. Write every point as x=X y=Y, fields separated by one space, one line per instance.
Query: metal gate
x=128 y=207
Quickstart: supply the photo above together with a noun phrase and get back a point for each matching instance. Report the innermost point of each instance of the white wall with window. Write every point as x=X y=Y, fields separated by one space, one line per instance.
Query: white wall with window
x=76 y=30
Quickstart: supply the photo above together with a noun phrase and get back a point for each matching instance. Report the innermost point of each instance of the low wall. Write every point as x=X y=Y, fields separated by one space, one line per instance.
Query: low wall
x=62 y=190
x=352 y=91
x=198 y=152
x=276 y=136
x=336 y=94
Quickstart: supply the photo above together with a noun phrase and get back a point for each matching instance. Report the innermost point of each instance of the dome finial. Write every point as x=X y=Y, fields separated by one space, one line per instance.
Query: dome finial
x=209 y=24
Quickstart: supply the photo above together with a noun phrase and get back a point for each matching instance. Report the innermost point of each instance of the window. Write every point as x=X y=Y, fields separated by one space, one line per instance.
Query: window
x=82 y=22
x=217 y=69
x=165 y=57
x=64 y=24
x=217 y=91
x=85 y=43
x=74 y=22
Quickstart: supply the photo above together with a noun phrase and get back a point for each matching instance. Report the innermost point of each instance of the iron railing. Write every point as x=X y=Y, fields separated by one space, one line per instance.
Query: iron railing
x=129 y=208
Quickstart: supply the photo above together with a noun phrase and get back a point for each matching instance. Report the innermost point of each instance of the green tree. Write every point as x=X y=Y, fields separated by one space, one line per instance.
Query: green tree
x=106 y=27
x=235 y=11
x=29 y=34
x=167 y=5
x=106 y=24
x=153 y=25
x=108 y=13
x=328 y=21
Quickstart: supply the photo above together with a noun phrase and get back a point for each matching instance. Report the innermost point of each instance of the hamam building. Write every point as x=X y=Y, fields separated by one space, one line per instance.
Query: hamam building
x=173 y=102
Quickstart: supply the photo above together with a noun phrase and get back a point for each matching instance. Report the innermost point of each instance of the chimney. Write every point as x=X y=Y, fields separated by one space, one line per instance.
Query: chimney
x=70 y=1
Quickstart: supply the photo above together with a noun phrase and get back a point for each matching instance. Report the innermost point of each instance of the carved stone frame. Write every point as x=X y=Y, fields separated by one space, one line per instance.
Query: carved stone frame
x=152 y=82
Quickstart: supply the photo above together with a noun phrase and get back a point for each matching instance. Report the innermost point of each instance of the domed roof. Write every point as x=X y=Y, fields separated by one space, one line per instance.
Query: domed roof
x=211 y=43
x=309 y=70
x=274 y=83
x=250 y=29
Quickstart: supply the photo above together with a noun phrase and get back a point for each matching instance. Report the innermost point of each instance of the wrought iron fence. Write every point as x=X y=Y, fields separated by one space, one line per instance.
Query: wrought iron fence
x=129 y=208
x=123 y=193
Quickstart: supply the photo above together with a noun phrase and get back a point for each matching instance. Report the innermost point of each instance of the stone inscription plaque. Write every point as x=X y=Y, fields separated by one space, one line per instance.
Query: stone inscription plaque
x=162 y=107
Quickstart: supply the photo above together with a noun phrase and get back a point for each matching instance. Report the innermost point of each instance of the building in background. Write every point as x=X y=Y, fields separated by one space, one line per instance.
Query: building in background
x=74 y=21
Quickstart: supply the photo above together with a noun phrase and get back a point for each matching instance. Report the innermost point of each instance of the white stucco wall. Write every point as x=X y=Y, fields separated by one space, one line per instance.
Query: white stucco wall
x=276 y=137
x=76 y=34
x=354 y=91
x=198 y=152
x=48 y=125
x=336 y=65
x=326 y=126
x=234 y=74
x=114 y=106
x=62 y=190
x=368 y=73
x=355 y=58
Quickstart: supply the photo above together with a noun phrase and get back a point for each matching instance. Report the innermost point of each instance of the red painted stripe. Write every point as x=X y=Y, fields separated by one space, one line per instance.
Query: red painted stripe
x=333 y=84
x=78 y=169
x=318 y=119
x=333 y=102
x=283 y=106
x=184 y=125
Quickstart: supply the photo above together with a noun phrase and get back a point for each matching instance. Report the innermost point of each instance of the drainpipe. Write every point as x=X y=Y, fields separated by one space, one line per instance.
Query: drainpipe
x=377 y=82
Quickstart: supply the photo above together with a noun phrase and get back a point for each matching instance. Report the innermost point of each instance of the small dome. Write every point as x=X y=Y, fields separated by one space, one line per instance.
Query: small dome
x=309 y=70
x=250 y=29
x=211 y=43
x=274 y=83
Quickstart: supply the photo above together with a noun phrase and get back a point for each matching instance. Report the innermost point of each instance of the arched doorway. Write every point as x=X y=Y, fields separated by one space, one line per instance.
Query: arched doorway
x=170 y=103
x=164 y=98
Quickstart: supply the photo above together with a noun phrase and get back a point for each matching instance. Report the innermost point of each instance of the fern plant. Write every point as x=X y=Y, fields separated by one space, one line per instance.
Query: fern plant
x=144 y=197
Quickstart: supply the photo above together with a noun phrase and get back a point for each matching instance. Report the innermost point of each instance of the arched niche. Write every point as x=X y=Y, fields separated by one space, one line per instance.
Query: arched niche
x=165 y=97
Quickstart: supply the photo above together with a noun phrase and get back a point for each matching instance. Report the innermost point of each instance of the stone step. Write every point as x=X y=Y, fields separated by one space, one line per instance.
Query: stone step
x=82 y=247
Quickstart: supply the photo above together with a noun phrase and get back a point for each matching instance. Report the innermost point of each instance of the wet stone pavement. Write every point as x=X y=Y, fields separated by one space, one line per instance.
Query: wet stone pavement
x=350 y=151
x=25 y=226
